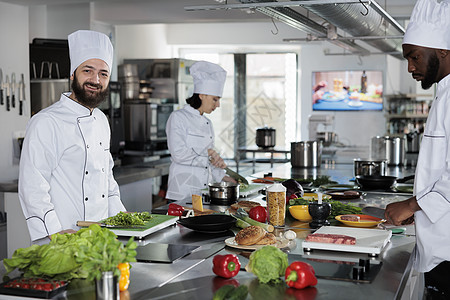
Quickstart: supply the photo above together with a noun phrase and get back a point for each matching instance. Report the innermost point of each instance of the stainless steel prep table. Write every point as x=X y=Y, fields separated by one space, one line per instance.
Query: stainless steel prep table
x=191 y=277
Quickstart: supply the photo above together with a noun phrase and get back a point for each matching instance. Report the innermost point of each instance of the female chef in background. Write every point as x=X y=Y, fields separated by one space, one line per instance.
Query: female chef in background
x=190 y=136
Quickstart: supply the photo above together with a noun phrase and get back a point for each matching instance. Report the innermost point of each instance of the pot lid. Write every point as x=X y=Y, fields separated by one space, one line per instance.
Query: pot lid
x=266 y=128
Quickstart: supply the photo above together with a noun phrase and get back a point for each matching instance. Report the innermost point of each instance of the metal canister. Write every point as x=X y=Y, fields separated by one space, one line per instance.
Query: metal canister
x=276 y=204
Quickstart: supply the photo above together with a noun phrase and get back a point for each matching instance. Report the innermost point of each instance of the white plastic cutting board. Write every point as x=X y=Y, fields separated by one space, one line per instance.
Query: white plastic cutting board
x=144 y=232
x=370 y=241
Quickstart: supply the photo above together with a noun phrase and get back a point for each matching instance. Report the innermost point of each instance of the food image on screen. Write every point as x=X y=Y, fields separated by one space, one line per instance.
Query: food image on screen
x=347 y=90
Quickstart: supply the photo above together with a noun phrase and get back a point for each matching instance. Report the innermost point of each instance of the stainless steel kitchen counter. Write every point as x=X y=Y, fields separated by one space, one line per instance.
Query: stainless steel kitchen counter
x=132 y=173
x=191 y=277
x=122 y=174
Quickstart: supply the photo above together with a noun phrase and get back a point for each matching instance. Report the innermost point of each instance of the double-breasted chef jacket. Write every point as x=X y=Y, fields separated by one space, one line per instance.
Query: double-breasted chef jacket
x=432 y=184
x=189 y=136
x=66 y=169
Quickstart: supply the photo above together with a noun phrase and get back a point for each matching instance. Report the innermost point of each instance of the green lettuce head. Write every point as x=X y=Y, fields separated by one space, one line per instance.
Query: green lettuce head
x=268 y=263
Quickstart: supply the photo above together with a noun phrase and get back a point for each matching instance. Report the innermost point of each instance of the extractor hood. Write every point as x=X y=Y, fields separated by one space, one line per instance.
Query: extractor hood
x=361 y=19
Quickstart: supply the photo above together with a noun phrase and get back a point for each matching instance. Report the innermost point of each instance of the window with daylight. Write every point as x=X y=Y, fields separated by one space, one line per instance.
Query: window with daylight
x=269 y=86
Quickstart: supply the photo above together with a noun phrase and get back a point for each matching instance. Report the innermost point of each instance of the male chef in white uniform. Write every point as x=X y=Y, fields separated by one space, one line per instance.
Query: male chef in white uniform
x=426 y=46
x=66 y=166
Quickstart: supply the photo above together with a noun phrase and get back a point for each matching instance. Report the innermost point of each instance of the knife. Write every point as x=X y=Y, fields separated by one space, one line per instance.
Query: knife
x=236 y=176
x=1 y=87
x=21 y=94
x=13 y=89
x=373 y=211
x=7 y=91
x=89 y=223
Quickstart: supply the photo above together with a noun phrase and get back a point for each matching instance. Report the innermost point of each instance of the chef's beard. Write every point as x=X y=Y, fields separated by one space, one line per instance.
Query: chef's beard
x=86 y=98
x=432 y=70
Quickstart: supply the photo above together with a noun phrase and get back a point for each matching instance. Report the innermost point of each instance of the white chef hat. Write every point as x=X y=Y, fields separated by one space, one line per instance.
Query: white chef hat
x=429 y=25
x=87 y=44
x=209 y=78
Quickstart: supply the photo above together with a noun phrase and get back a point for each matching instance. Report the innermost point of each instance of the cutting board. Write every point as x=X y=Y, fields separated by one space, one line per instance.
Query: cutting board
x=371 y=241
x=250 y=189
x=157 y=222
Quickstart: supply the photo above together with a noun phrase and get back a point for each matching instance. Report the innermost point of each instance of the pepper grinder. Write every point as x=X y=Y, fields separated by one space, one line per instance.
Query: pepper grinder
x=319 y=212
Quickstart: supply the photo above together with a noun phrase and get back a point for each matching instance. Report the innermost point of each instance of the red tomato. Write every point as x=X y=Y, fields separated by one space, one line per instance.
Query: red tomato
x=258 y=213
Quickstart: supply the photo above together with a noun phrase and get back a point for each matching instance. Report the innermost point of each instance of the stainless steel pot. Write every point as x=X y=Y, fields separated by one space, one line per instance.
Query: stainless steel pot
x=265 y=137
x=391 y=148
x=395 y=150
x=413 y=142
x=306 y=154
x=223 y=192
x=369 y=167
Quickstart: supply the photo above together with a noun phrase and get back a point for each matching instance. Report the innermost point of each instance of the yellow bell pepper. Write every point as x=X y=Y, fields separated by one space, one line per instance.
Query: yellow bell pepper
x=124 y=279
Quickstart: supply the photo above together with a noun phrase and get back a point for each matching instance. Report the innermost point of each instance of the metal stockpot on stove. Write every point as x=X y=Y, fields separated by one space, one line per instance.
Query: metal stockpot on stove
x=306 y=154
x=265 y=137
x=369 y=167
x=223 y=193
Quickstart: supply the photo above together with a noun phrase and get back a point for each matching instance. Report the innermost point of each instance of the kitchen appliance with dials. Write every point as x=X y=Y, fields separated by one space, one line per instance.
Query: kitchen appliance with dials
x=164 y=85
x=145 y=124
x=168 y=79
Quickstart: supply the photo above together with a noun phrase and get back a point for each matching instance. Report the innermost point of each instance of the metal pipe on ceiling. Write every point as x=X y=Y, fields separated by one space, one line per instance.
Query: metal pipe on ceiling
x=358 y=18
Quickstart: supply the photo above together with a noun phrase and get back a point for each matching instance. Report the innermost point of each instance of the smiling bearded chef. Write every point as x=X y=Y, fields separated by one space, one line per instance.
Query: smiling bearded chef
x=426 y=46
x=190 y=136
x=65 y=165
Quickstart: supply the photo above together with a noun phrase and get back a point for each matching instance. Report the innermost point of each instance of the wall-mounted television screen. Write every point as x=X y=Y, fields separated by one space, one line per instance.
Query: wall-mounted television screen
x=347 y=90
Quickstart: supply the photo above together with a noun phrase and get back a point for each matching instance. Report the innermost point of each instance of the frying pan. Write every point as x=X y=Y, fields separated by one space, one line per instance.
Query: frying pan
x=378 y=182
x=208 y=223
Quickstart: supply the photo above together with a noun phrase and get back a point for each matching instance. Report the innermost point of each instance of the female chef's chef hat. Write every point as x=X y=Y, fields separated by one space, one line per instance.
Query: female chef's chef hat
x=209 y=78
x=87 y=44
x=429 y=25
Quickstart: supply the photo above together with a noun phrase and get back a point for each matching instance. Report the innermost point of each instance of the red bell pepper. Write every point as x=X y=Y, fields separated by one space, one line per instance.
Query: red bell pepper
x=258 y=213
x=300 y=275
x=226 y=266
x=175 y=210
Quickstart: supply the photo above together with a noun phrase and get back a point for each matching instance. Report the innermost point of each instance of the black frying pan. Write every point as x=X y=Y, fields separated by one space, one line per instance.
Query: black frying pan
x=209 y=223
x=377 y=182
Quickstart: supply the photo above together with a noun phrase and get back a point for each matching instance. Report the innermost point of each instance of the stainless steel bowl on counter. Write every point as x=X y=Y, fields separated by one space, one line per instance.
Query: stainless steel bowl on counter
x=223 y=193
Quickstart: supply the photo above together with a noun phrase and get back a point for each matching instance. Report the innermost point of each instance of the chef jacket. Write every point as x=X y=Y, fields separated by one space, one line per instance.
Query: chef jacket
x=189 y=136
x=432 y=184
x=66 y=169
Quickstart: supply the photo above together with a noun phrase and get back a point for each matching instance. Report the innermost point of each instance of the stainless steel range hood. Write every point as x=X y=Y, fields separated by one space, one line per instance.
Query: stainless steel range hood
x=363 y=20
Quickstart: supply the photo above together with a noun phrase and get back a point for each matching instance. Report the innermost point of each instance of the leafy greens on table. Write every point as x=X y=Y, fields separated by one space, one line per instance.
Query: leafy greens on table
x=84 y=254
